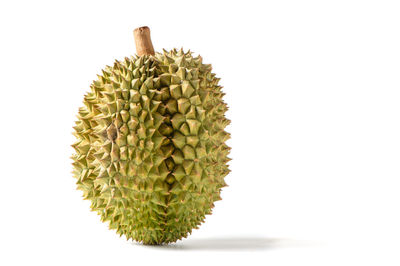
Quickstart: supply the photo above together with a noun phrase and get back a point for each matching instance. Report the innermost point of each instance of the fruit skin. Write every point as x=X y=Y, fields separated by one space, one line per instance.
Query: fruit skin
x=150 y=152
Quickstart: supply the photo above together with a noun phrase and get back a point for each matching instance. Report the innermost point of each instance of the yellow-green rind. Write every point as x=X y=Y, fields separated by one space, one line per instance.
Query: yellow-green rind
x=150 y=151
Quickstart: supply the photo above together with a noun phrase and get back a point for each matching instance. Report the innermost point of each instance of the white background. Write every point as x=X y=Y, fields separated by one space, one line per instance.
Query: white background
x=314 y=95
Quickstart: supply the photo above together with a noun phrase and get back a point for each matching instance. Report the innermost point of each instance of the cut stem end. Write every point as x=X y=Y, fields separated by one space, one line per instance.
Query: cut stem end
x=143 y=41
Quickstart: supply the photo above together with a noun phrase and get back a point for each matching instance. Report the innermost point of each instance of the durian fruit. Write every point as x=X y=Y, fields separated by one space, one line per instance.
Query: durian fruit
x=150 y=152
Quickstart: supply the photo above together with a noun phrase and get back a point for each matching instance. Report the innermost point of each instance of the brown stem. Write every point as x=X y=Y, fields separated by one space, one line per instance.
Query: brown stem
x=143 y=41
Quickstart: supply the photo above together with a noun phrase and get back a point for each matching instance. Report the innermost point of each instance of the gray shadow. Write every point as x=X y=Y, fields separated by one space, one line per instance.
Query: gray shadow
x=231 y=244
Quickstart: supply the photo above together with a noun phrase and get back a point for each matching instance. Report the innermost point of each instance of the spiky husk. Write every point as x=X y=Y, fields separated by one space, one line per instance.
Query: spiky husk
x=150 y=152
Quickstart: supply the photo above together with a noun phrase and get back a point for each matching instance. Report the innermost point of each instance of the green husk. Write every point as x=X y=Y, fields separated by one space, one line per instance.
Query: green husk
x=150 y=152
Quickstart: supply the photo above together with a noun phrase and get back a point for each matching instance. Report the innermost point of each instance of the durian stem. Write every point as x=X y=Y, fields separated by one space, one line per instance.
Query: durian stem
x=143 y=41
